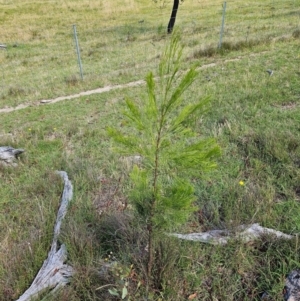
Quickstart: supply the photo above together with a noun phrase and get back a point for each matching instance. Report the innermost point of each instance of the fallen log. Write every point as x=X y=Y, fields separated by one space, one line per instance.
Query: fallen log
x=54 y=273
x=221 y=237
x=8 y=154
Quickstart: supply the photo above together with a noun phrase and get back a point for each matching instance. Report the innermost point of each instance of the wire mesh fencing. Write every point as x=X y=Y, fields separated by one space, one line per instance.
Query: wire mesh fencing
x=122 y=53
x=118 y=54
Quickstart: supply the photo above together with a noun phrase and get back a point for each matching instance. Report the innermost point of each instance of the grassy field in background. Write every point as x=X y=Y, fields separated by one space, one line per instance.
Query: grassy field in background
x=254 y=117
x=120 y=43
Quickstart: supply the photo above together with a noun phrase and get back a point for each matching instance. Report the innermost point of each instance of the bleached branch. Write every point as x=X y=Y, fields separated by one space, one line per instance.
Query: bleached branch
x=54 y=273
x=221 y=237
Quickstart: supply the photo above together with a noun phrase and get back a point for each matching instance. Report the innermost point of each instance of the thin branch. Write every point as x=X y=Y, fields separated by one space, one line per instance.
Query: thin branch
x=104 y=286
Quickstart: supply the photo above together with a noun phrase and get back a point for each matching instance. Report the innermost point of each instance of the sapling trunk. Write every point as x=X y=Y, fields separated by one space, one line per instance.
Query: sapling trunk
x=173 y=16
x=152 y=207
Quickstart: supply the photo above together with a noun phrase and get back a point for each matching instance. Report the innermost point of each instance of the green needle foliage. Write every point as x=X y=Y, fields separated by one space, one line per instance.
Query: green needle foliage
x=158 y=129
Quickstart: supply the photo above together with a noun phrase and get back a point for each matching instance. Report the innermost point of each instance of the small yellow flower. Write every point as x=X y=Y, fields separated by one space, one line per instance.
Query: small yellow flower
x=54 y=129
x=242 y=183
x=29 y=129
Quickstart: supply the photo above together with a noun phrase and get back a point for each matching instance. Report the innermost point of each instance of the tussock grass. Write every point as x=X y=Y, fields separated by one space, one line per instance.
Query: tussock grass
x=254 y=117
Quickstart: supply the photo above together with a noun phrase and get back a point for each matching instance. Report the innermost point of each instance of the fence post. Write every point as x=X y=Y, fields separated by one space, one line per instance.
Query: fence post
x=222 y=25
x=78 y=51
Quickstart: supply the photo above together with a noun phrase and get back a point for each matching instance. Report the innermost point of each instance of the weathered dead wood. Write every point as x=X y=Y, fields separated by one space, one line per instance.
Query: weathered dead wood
x=221 y=237
x=292 y=286
x=8 y=154
x=54 y=273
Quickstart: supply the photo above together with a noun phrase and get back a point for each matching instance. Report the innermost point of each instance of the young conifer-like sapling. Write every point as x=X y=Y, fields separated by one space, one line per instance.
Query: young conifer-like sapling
x=159 y=129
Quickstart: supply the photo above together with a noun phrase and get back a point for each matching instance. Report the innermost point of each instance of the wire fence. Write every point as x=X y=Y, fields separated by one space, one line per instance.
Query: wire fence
x=135 y=48
x=119 y=54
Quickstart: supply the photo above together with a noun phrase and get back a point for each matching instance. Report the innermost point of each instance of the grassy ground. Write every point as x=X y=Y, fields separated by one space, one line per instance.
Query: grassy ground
x=254 y=117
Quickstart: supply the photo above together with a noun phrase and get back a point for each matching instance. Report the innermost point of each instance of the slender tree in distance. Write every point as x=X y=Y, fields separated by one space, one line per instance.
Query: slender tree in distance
x=173 y=16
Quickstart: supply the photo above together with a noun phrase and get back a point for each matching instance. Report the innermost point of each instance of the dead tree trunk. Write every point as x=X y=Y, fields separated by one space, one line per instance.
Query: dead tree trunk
x=54 y=273
x=245 y=233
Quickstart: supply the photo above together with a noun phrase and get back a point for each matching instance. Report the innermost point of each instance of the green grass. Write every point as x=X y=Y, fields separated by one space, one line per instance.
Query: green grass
x=254 y=117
